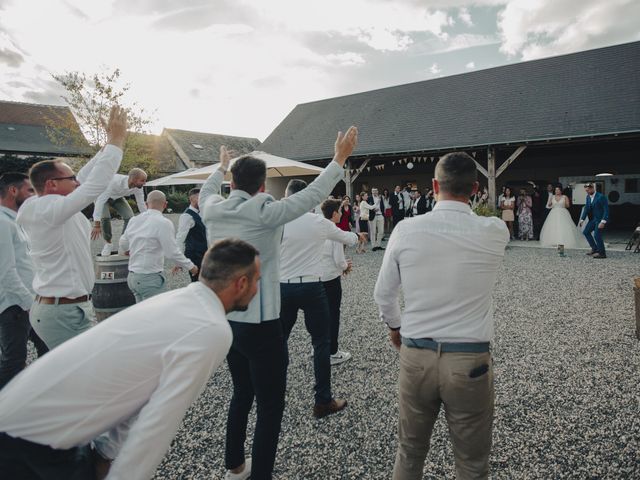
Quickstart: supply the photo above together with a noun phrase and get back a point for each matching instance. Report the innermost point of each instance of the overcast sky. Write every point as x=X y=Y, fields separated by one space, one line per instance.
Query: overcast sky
x=238 y=67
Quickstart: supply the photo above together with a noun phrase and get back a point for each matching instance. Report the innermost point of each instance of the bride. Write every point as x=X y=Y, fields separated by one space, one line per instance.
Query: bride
x=559 y=228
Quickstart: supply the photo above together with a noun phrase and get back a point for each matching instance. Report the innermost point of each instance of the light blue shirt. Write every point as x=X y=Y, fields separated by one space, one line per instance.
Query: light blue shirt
x=16 y=269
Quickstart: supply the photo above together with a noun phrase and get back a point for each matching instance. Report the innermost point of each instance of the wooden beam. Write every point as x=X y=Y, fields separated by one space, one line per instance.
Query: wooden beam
x=481 y=169
x=364 y=164
x=491 y=175
x=510 y=160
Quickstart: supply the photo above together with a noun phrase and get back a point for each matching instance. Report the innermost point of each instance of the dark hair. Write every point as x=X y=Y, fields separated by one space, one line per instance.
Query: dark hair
x=41 y=172
x=194 y=191
x=328 y=207
x=225 y=260
x=11 y=179
x=456 y=173
x=295 y=185
x=249 y=174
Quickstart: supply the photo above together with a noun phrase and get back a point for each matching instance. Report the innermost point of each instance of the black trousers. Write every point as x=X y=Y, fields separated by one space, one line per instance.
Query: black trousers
x=15 y=330
x=258 y=364
x=24 y=460
x=333 y=288
x=312 y=300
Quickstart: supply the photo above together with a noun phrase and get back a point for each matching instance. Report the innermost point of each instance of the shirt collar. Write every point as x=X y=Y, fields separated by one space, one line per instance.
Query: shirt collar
x=8 y=211
x=207 y=292
x=153 y=211
x=197 y=210
x=452 y=205
x=240 y=193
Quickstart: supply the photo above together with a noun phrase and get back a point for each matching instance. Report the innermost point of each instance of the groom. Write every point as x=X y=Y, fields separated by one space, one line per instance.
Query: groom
x=597 y=208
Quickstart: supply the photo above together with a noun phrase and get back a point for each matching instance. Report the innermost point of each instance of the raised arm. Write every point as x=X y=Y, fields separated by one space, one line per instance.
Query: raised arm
x=290 y=208
x=170 y=248
x=96 y=175
x=214 y=182
x=332 y=232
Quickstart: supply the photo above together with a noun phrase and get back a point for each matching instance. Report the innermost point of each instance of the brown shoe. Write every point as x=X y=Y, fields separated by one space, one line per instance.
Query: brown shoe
x=323 y=409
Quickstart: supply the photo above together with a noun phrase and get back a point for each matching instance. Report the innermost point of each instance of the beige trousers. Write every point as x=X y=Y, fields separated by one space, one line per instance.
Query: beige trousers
x=427 y=380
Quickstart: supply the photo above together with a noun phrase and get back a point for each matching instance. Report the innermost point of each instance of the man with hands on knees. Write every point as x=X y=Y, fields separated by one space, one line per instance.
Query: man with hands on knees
x=148 y=240
x=444 y=332
x=59 y=235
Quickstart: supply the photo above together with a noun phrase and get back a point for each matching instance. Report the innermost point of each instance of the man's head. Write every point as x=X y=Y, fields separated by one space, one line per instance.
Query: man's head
x=549 y=188
x=331 y=210
x=137 y=178
x=590 y=188
x=231 y=268
x=15 y=188
x=374 y=191
x=248 y=174
x=456 y=177
x=418 y=194
x=295 y=185
x=53 y=177
x=397 y=189
x=194 y=197
x=156 y=200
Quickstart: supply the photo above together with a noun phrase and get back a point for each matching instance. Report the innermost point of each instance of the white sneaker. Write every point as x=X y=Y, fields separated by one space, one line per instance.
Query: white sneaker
x=340 y=357
x=243 y=475
x=106 y=250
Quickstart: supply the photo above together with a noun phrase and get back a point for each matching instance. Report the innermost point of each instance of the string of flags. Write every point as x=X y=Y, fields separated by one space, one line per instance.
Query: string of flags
x=408 y=161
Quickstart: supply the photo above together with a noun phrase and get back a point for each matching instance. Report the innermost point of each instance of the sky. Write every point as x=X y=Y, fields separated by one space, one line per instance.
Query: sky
x=238 y=67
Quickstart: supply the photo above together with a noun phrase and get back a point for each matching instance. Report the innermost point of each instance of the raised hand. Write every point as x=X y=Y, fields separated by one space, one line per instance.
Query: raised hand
x=116 y=127
x=225 y=159
x=345 y=144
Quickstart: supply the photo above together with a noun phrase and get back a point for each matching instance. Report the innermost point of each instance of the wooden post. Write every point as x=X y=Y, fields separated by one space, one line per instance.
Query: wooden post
x=491 y=175
x=636 y=294
x=347 y=180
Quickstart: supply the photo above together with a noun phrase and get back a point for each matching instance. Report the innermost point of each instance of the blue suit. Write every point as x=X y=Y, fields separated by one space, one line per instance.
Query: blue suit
x=598 y=210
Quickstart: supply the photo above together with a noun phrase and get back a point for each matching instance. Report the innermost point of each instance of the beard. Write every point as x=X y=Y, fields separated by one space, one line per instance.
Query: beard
x=239 y=308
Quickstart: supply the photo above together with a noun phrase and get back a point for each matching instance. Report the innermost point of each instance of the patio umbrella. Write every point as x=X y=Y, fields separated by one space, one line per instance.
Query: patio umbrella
x=276 y=167
x=173 y=180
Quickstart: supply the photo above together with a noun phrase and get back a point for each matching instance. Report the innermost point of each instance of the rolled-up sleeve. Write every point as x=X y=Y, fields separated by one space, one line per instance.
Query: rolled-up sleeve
x=387 y=290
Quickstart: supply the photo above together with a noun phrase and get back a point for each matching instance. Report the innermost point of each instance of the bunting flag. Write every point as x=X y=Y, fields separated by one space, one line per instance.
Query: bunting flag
x=474 y=154
x=368 y=169
x=393 y=163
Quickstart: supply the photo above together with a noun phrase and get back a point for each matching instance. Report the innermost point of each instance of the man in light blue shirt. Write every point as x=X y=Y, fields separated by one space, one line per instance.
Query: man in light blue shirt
x=16 y=278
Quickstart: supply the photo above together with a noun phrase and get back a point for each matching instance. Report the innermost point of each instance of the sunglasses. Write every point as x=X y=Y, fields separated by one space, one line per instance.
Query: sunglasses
x=71 y=177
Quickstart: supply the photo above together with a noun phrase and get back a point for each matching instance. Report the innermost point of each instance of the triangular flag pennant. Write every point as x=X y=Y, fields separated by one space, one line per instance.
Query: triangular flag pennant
x=368 y=169
x=393 y=163
x=474 y=154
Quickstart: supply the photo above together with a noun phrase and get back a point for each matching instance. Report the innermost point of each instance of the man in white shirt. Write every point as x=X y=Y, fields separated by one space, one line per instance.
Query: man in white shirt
x=192 y=234
x=119 y=187
x=148 y=240
x=59 y=235
x=444 y=333
x=16 y=279
x=376 y=220
x=133 y=376
x=258 y=356
x=301 y=288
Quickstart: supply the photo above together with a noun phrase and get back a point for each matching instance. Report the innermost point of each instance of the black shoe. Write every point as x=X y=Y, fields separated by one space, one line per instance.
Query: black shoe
x=375 y=249
x=380 y=248
x=591 y=253
x=599 y=255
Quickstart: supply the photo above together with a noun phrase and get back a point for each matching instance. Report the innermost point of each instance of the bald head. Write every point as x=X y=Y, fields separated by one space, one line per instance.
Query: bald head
x=156 y=200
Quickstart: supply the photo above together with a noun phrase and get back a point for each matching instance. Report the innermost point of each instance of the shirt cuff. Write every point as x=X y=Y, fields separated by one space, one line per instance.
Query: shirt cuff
x=603 y=221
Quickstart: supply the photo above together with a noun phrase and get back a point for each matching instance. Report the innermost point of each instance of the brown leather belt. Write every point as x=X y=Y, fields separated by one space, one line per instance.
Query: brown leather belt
x=61 y=300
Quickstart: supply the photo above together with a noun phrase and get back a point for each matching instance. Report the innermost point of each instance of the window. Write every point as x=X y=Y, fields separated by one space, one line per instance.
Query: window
x=631 y=185
x=198 y=146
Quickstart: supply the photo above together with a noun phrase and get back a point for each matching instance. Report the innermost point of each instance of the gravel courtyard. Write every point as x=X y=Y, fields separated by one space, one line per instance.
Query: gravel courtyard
x=567 y=366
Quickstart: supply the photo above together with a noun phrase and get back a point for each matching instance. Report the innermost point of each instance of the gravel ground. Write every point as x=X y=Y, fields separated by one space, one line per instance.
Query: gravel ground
x=566 y=370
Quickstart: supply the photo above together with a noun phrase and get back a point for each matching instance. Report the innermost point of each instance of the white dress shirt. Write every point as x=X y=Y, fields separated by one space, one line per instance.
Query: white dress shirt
x=150 y=238
x=378 y=204
x=16 y=269
x=59 y=232
x=185 y=223
x=302 y=242
x=333 y=260
x=446 y=262
x=407 y=199
x=118 y=187
x=141 y=361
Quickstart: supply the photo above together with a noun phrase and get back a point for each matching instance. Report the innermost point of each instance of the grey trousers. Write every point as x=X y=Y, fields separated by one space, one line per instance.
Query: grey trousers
x=124 y=210
x=146 y=285
x=55 y=324
x=428 y=380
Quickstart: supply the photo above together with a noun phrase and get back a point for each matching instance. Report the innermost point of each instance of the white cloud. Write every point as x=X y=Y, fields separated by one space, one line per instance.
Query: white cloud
x=435 y=69
x=470 y=65
x=345 y=59
x=465 y=16
x=541 y=28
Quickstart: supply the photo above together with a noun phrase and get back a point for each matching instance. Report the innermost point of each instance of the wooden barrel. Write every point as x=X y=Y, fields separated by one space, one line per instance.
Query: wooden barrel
x=111 y=292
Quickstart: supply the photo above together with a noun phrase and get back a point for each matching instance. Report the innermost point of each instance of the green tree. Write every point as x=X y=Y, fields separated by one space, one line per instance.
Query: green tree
x=90 y=97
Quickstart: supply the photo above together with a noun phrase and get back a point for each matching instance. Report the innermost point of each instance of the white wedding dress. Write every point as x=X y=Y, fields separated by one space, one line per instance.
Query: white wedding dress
x=559 y=229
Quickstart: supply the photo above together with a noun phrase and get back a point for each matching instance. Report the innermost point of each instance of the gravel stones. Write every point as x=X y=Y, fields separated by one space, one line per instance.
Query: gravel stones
x=567 y=365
